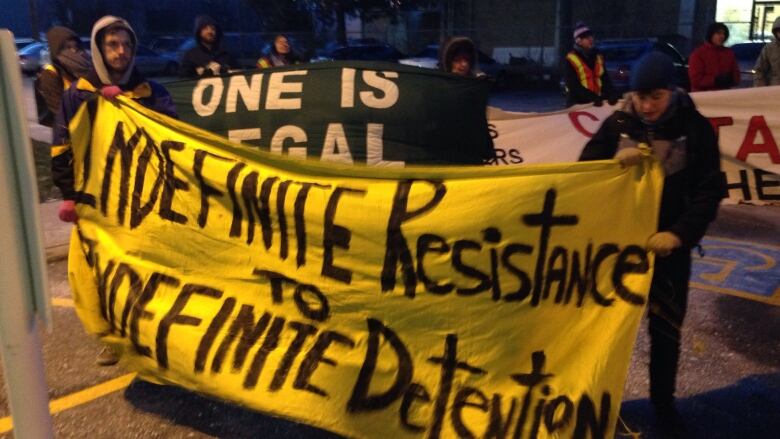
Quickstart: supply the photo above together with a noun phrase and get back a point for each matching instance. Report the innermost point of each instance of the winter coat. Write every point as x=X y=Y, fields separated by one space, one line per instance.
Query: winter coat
x=196 y=62
x=767 y=69
x=54 y=78
x=707 y=63
x=133 y=85
x=685 y=140
x=578 y=93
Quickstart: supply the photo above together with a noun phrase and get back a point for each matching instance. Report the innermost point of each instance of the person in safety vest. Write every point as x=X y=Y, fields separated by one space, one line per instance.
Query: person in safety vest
x=585 y=73
x=664 y=119
x=281 y=54
x=113 y=73
x=69 y=62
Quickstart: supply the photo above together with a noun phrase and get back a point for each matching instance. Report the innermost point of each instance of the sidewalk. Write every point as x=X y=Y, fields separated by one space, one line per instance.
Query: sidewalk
x=56 y=234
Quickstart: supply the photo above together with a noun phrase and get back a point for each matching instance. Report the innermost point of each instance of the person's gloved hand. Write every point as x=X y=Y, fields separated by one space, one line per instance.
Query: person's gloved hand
x=662 y=243
x=724 y=80
x=598 y=102
x=612 y=101
x=67 y=211
x=629 y=156
x=110 y=91
x=215 y=67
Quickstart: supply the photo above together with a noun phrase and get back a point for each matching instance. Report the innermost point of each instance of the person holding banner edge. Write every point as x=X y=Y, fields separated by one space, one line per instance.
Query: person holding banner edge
x=208 y=57
x=713 y=66
x=664 y=119
x=113 y=73
x=584 y=72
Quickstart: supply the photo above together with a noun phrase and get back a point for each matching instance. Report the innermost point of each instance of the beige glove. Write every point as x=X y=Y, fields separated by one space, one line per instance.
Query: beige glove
x=629 y=156
x=662 y=243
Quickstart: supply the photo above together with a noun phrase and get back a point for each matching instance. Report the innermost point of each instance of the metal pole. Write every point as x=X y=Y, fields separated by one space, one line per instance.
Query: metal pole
x=23 y=298
x=34 y=27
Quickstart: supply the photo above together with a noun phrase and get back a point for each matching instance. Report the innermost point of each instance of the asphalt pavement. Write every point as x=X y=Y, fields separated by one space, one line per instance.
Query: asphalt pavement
x=728 y=387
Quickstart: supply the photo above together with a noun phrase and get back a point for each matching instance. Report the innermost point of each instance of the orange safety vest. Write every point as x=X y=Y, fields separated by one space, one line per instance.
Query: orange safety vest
x=51 y=68
x=589 y=78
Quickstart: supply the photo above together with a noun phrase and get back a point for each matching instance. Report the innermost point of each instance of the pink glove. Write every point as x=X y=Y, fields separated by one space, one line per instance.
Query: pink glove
x=67 y=211
x=110 y=91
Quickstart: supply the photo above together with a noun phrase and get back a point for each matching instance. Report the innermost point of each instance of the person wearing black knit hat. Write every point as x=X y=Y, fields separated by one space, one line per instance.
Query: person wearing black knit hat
x=584 y=71
x=662 y=118
x=713 y=66
x=209 y=57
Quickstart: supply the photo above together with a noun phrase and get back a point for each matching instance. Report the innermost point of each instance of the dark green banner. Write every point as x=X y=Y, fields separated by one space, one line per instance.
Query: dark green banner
x=350 y=112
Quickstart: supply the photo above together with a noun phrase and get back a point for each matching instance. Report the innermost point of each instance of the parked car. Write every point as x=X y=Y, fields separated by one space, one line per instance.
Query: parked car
x=372 y=51
x=150 y=62
x=30 y=58
x=22 y=42
x=620 y=56
x=429 y=58
x=166 y=43
x=747 y=54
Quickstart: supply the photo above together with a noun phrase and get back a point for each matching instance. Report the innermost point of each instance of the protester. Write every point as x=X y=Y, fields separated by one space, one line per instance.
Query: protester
x=281 y=54
x=712 y=66
x=767 y=68
x=208 y=57
x=584 y=71
x=666 y=120
x=112 y=73
x=69 y=62
x=458 y=56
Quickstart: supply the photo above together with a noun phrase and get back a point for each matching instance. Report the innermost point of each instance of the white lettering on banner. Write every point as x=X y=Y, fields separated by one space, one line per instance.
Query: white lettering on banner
x=296 y=134
x=208 y=108
x=336 y=148
x=239 y=136
x=375 y=147
x=388 y=88
x=277 y=87
x=347 y=88
x=250 y=94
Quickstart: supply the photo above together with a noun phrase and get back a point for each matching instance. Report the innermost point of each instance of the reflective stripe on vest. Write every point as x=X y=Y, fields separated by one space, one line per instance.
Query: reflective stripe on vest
x=51 y=68
x=589 y=79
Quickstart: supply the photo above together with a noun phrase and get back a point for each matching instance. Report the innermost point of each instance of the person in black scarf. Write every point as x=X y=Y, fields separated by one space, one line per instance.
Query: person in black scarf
x=69 y=61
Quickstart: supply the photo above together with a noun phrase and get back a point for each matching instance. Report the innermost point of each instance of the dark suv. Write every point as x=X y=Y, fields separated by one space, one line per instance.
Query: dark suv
x=747 y=54
x=621 y=55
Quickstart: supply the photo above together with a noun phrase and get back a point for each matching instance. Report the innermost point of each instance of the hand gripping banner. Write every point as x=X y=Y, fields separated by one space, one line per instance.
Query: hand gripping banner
x=413 y=302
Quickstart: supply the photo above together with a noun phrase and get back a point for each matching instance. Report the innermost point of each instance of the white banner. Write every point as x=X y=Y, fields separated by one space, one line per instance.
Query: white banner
x=747 y=121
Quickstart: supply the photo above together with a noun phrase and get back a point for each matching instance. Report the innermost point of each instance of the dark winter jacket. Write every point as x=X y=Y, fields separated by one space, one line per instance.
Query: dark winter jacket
x=195 y=62
x=688 y=147
x=576 y=93
x=148 y=93
x=710 y=62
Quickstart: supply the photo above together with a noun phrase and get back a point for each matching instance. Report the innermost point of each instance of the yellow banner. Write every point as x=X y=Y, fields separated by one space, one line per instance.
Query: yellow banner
x=436 y=302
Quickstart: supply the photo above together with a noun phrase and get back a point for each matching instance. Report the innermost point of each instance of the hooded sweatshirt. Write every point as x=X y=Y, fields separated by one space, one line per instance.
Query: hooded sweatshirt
x=54 y=78
x=202 y=61
x=148 y=93
x=767 y=68
x=451 y=48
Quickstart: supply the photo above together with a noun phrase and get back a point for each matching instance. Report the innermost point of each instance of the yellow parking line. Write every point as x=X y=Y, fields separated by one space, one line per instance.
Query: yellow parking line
x=737 y=293
x=65 y=302
x=78 y=398
x=741 y=241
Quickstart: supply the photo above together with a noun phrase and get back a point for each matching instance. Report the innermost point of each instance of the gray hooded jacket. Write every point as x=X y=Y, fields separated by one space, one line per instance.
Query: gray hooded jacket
x=767 y=68
x=97 y=57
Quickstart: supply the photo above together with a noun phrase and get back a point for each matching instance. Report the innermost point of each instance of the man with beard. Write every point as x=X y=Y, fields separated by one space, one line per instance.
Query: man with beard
x=69 y=62
x=113 y=73
x=208 y=57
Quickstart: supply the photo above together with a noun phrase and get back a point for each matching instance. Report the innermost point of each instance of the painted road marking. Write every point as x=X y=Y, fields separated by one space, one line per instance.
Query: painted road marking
x=78 y=398
x=738 y=268
x=64 y=302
